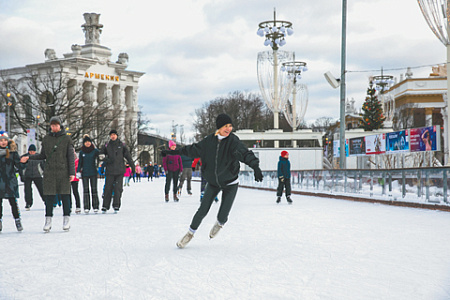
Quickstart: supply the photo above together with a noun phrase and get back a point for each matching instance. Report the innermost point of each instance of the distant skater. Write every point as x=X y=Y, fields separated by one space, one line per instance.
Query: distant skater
x=284 y=177
x=172 y=167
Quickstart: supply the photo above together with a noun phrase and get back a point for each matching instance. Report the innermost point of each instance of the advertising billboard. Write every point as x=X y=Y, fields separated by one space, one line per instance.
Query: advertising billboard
x=337 y=148
x=375 y=144
x=425 y=139
x=357 y=146
x=397 y=142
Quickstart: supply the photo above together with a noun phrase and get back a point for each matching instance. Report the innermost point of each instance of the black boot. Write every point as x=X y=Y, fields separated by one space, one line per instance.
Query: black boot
x=278 y=199
x=288 y=198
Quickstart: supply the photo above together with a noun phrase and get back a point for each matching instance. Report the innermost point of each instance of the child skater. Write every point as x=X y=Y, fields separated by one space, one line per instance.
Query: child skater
x=284 y=177
x=9 y=187
x=220 y=153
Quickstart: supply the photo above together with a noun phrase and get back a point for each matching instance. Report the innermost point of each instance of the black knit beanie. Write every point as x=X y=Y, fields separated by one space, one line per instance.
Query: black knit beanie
x=222 y=120
x=113 y=131
x=86 y=138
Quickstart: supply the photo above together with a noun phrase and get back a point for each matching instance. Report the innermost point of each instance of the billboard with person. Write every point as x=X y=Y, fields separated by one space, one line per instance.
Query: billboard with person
x=357 y=146
x=397 y=142
x=375 y=144
x=425 y=139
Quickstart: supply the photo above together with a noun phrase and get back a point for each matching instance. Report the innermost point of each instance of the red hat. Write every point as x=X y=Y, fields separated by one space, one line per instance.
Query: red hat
x=284 y=153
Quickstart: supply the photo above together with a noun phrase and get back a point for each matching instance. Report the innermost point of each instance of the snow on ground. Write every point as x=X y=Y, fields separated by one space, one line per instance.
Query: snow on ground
x=317 y=248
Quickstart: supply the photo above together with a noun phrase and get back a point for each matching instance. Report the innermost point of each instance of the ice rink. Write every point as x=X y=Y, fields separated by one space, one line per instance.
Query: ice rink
x=317 y=248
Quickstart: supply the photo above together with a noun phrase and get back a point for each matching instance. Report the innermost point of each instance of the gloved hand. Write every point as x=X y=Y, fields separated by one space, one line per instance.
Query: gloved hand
x=258 y=174
x=78 y=175
x=281 y=178
x=22 y=179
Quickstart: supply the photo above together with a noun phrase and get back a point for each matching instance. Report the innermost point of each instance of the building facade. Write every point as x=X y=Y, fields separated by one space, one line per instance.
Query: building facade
x=86 y=88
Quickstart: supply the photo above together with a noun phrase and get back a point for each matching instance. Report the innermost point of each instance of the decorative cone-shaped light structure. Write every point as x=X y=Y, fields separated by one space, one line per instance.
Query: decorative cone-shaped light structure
x=437 y=15
x=275 y=86
x=295 y=107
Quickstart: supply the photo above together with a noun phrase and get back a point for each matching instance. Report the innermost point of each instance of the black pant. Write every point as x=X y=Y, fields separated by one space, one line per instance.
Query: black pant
x=138 y=177
x=76 y=194
x=228 y=195
x=113 y=182
x=50 y=199
x=150 y=175
x=29 y=191
x=86 y=195
x=174 y=177
x=14 y=208
x=284 y=184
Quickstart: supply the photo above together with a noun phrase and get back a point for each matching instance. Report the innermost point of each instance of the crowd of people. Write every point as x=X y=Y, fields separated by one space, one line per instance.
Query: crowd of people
x=57 y=170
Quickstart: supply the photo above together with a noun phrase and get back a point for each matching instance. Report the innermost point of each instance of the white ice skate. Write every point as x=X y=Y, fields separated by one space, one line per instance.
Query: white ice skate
x=215 y=230
x=185 y=239
x=48 y=224
x=66 y=223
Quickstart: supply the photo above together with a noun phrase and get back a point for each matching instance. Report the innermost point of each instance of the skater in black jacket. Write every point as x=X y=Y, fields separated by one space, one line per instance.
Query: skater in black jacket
x=220 y=153
x=9 y=187
x=115 y=152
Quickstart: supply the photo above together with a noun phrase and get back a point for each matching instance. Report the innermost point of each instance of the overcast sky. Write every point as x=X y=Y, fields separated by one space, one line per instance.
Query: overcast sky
x=193 y=51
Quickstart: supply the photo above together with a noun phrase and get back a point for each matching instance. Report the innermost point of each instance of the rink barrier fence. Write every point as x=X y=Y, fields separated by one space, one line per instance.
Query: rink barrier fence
x=412 y=187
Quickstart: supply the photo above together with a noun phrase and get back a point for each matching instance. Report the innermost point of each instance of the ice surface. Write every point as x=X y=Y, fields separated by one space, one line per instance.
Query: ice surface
x=317 y=248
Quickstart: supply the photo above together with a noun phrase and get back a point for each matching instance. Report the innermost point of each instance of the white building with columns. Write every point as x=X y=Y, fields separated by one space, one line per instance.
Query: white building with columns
x=88 y=68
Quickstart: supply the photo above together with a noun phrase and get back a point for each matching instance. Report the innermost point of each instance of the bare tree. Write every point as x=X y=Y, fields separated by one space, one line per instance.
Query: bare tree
x=52 y=92
x=404 y=116
x=132 y=129
x=322 y=124
x=247 y=110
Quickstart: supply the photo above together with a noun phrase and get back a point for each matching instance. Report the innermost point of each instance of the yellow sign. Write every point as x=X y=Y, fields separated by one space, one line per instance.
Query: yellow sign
x=101 y=76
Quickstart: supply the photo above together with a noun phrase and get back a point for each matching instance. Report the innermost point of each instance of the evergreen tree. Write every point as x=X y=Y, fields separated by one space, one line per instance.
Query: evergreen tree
x=372 y=111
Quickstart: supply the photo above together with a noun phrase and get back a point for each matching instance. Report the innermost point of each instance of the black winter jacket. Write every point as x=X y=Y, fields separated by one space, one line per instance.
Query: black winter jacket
x=34 y=168
x=220 y=159
x=9 y=162
x=57 y=151
x=116 y=152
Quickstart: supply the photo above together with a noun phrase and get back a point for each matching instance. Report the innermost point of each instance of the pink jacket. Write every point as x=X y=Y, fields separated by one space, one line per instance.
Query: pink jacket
x=127 y=172
x=138 y=170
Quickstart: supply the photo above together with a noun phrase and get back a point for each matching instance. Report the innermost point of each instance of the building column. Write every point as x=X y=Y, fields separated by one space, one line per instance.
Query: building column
x=123 y=109
x=428 y=116
x=444 y=112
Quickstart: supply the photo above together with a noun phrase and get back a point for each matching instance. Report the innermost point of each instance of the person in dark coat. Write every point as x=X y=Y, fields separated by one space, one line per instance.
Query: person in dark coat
x=33 y=173
x=172 y=167
x=115 y=152
x=150 y=170
x=59 y=171
x=87 y=166
x=284 y=177
x=220 y=153
x=186 y=174
x=9 y=187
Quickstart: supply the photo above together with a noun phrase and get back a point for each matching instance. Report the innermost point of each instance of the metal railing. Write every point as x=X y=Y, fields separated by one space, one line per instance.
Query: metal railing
x=421 y=185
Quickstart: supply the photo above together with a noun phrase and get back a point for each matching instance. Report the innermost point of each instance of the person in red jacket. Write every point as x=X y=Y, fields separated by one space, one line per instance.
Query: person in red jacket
x=172 y=167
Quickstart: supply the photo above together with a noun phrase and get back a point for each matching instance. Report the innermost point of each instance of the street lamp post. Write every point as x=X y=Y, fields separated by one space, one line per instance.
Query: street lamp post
x=382 y=82
x=275 y=32
x=342 y=157
x=9 y=121
x=37 y=132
